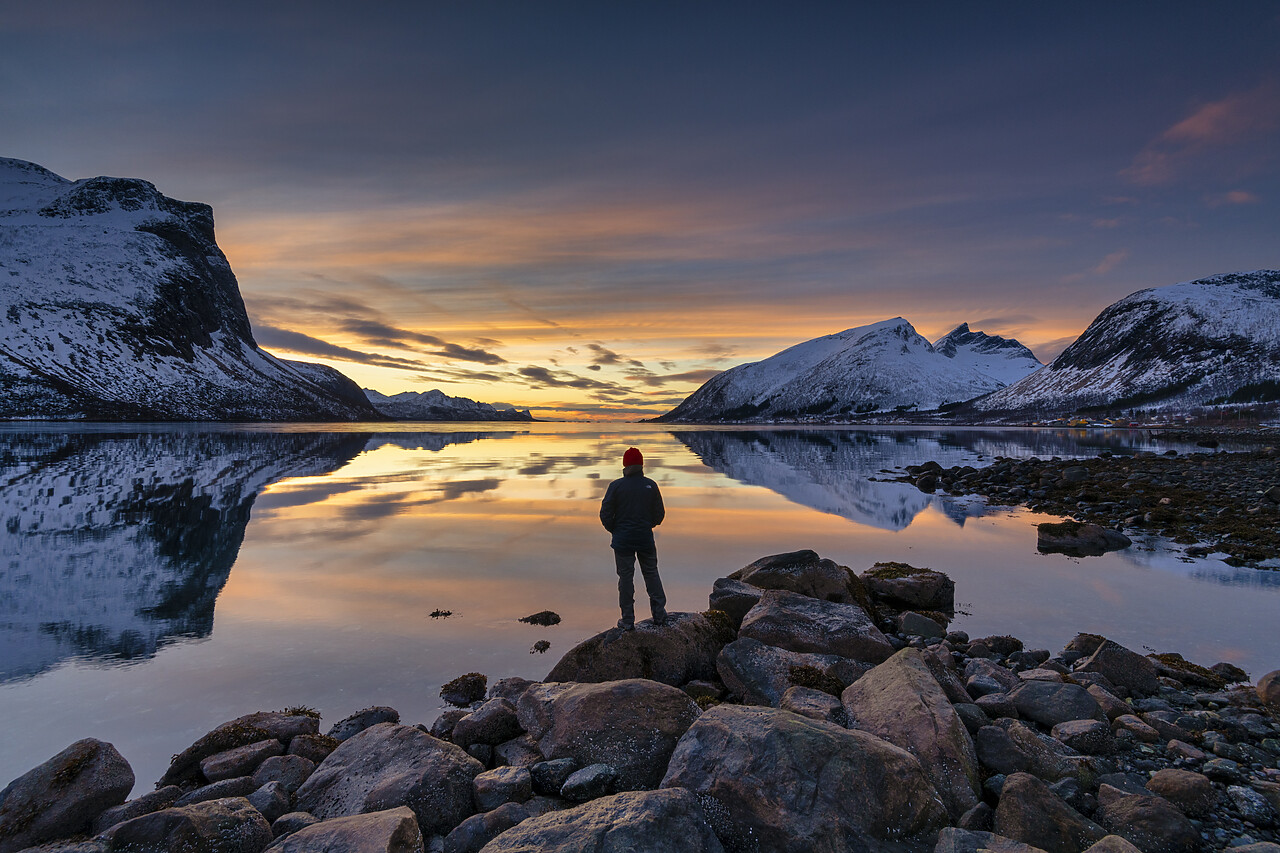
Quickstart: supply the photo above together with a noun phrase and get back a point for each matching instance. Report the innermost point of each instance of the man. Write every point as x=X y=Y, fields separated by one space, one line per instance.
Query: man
x=631 y=508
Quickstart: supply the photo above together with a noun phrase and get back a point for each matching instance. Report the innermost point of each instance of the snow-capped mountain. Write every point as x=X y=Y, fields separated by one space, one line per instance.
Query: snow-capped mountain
x=879 y=367
x=117 y=304
x=1213 y=339
x=435 y=405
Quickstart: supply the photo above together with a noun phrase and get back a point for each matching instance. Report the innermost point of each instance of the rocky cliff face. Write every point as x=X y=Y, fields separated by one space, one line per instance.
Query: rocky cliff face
x=1211 y=340
x=117 y=304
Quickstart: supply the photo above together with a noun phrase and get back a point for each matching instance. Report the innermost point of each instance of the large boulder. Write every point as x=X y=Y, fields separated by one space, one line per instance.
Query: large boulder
x=808 y=574
x=1191 y=792
x=669 y=821
x=681 y=651
x=1124 y=668
x=1150 y=823
x=799 y=623
x=389 y=831
x=150 y=802
x=903 y=703
x=733 y=598
x=492 y=723
x=241 y=761
x=389 y=765
x=1268 y=688
x=907 y=586
x=475 y=832
x=1010 y=746
x=242 y=731
x=759 y=673
x=228 y=825
x=1053 y=702
x=1076 y=539
x=64 y=795
x=1029 y=812
x=632 y=725
x=791 y=783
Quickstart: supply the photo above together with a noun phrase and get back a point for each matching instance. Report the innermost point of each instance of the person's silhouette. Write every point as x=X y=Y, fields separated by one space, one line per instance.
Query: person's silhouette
x=631 y=508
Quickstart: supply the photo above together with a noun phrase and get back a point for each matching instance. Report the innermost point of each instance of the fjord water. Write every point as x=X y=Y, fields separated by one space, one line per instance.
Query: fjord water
x=155 y=582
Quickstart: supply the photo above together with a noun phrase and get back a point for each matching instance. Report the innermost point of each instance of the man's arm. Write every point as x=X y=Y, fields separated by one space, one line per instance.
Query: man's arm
x=657 y=511
x=608 y=509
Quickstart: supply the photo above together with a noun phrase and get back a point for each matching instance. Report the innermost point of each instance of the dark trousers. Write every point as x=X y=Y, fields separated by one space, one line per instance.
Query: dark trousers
x=626 y=562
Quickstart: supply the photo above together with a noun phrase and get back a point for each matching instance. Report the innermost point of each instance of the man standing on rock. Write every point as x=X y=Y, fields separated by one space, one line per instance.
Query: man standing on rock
x=631 y=508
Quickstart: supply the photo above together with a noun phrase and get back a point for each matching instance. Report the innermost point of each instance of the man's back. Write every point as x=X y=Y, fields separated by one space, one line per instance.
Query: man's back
x=631 y=508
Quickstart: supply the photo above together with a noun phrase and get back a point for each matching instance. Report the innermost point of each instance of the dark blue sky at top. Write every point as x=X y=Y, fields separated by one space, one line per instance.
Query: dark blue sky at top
x=1024 y=162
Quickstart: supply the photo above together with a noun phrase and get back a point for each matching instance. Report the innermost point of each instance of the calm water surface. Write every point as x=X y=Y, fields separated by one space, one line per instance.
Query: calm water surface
x=155 y=582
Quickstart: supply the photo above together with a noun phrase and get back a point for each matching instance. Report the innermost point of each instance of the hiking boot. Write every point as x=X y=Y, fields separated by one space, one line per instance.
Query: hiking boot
x=626 y=626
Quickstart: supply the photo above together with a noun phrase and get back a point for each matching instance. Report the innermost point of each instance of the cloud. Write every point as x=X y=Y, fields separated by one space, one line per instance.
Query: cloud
x=1110 y=262
x=544 y=378
x=604 y=355
x=1234 y=120
x=1049 y=350
x=1233 y=197
x=380 y=334
x=698 y=376
x=1004 y=321
x=296 y=342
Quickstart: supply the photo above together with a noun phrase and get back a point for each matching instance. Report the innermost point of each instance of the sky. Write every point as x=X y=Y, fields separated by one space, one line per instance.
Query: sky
x=588 y=209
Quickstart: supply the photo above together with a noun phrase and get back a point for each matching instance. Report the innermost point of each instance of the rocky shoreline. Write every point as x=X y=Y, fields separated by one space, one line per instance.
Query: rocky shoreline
x=810 y=708
x=1225 y=503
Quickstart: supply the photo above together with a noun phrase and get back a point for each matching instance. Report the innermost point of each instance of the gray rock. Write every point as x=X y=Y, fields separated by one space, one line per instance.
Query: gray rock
x=901 y=702
x=973 y=717
x=1114 y=844
x=917 y=625
x=1090 y=737
x=64 y=795
x=908 y=586
x=806 y=573
x=443 y=726
x=1149 y=822
x=954 y=840
x=511 y=688
x=814 y=704
x=361 y=720
x=1268 y=688
x=1125 y=669
x=492 y=723
x=1110 y=704
x=1135 y=726
x=1128 y=783
x=289 y=823
x=241 y=761
x=159 y=799
x=997 y=706
x=206 y=826
x=1006 y=678
x=289 y=770
x=549 y=776
x=388 y=765
x=387 y=831
x=1191 y=792
x=978 y=686
x=589 y=783
x=185 y=767
x=1050 y=703
x=272 y=799
x=241 y=786
x=1029 y=812
x=1011 y=746
x=1252 y=806
x=478 y=830
x=733 y=598
x=313 y=747
x=481 y=752
x=632 y=725
x=520 y=751
x=792 y=783
x=798 y=623
x=759 y=673
x=977 y=819
x=1079 y=540
x=502 y=785
x=669 y=821
x=682 y=650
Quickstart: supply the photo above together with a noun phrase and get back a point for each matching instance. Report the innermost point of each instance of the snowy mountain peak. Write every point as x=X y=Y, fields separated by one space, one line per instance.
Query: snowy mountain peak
x=435 y=405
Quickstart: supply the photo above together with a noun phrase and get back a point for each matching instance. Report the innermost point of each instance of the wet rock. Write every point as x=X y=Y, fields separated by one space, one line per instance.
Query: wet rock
x=1222 y=770
x=64 y=795
x=806 y=573
x=759 y=673
x=953 y=840
x=901 y=702
x=549 y=776
x=909 y=587
x=510 y=689
x=465 y=689
x=1049 y=703
x=590 y=783
x=543 y=618
x=313 y=747
x=492 y=723
x=1150 y=823
x=1252 y=806
x=668 y=821
x=916 y=625
x=1192 y=793
x=734 y=598
x=289 y=770
x=683 y=650
x=475 y=832
x=1125 y=669
x=814 y=704
x=289 y=823
x=502 y=785
x=792 y=783
x=386 y=831
x=272 y=799
x=443 y=726
x=1029 y=812
x=1269 y=688
x=241 y=786
x=197 y=827
x=159 y=799
x=520 y=751
x=242 y=731
x=632 y=725
x=1010 y=747
x=241 y=761
x=361 y=720
x=798 y=623
x=388 y=765
x=1090 y=737
x=1078 y=540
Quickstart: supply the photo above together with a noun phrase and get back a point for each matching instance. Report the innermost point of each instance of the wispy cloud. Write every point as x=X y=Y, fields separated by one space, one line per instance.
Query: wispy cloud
x=296 y=342
x=1110 y=262
x=1231 y=198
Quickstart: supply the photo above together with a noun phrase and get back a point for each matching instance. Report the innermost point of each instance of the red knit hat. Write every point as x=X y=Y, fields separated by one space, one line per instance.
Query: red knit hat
x=632 y=457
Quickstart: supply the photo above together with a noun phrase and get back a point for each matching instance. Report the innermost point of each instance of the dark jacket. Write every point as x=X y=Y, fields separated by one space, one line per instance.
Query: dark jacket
x=631 y=508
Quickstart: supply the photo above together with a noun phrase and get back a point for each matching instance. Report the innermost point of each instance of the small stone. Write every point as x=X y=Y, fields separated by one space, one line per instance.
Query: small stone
x=1252 y=806
x=442 y=728
x=1090 y=737
x=287 y=824
x=241 y=761
x=146 y=804
x=997 y=706
x=475 y=832
x=362 y=720
x=589 y=783
x=1136 y=727
x=915 y=624
x=313 y=747
x=272 y=799
x=290 y=770
x=1223 y=770
x=502 y=785
x=241 y=786
x=1191 y=792
x=549 y=776
x=1181 y=749
x=465 y=689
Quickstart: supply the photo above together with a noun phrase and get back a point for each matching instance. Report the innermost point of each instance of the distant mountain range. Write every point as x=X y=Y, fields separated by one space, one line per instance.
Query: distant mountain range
x=881 y=367
x=438 y=406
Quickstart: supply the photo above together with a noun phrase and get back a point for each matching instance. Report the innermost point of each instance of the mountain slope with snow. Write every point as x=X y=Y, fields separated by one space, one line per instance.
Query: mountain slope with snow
x=879 y=367
x=435 y=405
x=117 y=304
x=1186 y=344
